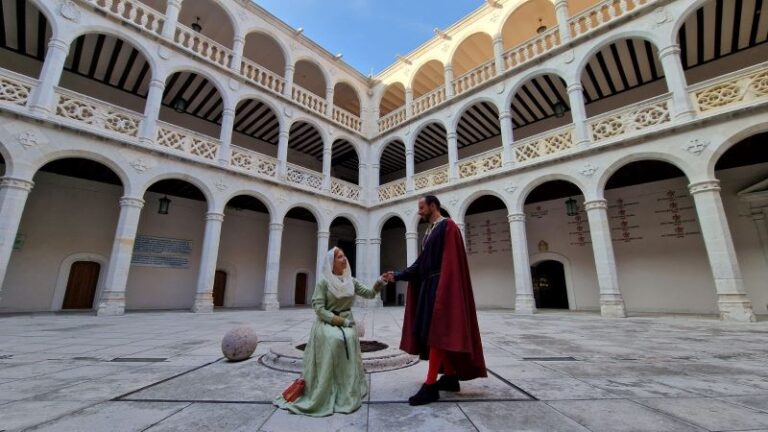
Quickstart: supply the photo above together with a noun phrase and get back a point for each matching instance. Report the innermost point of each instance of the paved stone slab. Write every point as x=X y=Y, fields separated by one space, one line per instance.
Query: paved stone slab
x=22 y=414
x=27 y=388
x=215 y=417
x=709 y=413
x=113 y=417
x=285 y=421
x=518 y=416
x=619 y=415
x=562 y=388
x=755 y=402
x=710 y=386
x=436 y=417
x=637 y=387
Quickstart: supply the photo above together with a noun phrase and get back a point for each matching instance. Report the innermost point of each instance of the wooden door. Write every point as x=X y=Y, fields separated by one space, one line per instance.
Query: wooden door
x=81 y=285
x=301 y=289
x=219 y=286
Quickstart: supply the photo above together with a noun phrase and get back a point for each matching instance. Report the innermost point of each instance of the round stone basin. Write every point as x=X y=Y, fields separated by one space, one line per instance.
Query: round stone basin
x=377 y=357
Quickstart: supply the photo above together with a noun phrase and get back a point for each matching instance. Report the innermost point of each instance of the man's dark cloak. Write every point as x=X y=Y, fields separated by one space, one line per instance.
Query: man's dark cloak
x=440 y=308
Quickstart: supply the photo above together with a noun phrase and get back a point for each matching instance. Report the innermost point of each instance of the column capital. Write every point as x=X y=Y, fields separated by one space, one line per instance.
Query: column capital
x=673 y=49
x=505 y=115
x=411 y=236
x=16 y=183
x=284 y=134
x=516 y=217
x=704 y=186
x=157 y=83
x=448 y=67
x=498 y=40
x=323 y=234
x=361 y=241
x=239 y=39
x=275 y=227
x=575 y=87
x=596 y=204
x=451 y=135
x=176 y=3
x=375 y=166
x=408 y=91
x=408 y=152
x=228 y=112
x=58 y=44
x=561 y=3
x=214 y=216
x=290 y=67
x=131 y=202
x=375 y=241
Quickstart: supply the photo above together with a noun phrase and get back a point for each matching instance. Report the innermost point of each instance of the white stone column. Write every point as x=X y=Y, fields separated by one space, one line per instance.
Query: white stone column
x=237 y=54
x=208 y=262
x=13 y=197
x=112 y=300
x=270 y=300
x=323 y=245
x=373 y=272
x=448 y=71
x=525 y=303
x=759 y=218
x=729 y=284
x=463 y=230
x=373 y=180
x=409 y=102
x=561 y=11
x=171 y=18
x=411 y=247
x=611 y=301
x=498 y=54
x=507 y=137
x=152 y=106
x=288 y=90
x=364 y=267
x=327 y=157
x=282 y=153
x=682 y=107
x=579 y=114
x=329 y=92
x=453 y=157
x=43 y=97
x=227 y=129
x=409 y=171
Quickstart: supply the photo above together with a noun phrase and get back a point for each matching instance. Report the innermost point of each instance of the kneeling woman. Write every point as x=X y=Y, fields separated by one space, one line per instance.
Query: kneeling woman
x=333 y=366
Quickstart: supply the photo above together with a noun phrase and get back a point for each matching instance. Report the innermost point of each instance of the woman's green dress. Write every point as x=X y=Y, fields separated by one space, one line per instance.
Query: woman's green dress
x=335 y=379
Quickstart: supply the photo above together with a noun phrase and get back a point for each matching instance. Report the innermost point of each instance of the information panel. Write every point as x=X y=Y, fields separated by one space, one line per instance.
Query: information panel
x=150 y=251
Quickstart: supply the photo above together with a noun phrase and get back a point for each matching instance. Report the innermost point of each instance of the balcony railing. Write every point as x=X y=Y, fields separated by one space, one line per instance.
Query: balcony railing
x=731 y=90
x=347 y=119
x=96 y=114
x=253 y=162
x=133 y=12
x=627 y=120
x=203 y=46
x=343 y=189
x=15 y=89
x=431 y=178
x=602 y=14
x=308 y=100
x=392 y=119
x=428 y=101
x=543 y=144
x=480 y=164
x=474 y=78
x=262 y=76
x=304 y=178
x=186 y=141
x=532 y=48
x=392 y=190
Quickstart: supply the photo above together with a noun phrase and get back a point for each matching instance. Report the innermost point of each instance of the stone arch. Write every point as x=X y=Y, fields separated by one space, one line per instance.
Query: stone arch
x=312 y=67
x=124 y=36
x=606 y=41
x=528 y=76
x=254 y=33
x=420 y=88
x=260 y=196
x=120 y=171
x=726 y=145
x=528 y=187
x=187 y=17
x=384 y=219
x=528 y=20
x=318 y=215
x=347 y=97
x=389 y=100
x=63 y=277
x=466 y=202
x=354 y=221
x=212 y=78
x=567 y=269
x=623 y=161
x=484 y=54
x=469 y=103
x=210 y=196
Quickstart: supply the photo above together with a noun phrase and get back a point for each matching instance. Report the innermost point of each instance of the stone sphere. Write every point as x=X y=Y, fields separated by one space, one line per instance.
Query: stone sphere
x=239 y=343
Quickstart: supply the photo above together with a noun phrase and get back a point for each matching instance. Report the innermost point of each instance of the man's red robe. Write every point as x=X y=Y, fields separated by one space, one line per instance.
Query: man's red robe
x=453 y=324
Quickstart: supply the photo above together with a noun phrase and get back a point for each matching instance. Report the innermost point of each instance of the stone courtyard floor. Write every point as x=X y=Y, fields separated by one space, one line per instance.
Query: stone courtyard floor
x=163 y=371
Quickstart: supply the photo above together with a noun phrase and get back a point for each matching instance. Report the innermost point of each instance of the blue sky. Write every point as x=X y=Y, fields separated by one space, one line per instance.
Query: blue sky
x=369 y=32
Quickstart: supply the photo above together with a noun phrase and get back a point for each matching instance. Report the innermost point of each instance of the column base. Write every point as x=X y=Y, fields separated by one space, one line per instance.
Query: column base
x=612 y=306
x=146 y=141
x=203 y=303
x=525 y=305
x=111 y=304
x=270 y=303
x=685 y=115
x=40 y=110
x=582 y=144
x=735 y=307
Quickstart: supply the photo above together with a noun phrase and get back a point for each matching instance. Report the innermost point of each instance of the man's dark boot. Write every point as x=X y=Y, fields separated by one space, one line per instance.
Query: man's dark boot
x=428 y=393
x=449 y=383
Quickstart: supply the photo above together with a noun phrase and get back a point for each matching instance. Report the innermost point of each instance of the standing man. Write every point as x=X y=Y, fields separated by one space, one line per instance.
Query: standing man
x=440 y=323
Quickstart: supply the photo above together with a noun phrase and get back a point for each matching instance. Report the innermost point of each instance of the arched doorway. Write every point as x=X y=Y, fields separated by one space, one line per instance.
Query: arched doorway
x=81 y=285
x=393 y=256
x=219 y=288
x=301 y=238
x=300 y=289
x=549 y=286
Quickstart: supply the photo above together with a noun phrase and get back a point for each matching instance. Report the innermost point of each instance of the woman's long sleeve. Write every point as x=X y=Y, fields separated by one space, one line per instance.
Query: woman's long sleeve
x=369 y=293
x=318 y=303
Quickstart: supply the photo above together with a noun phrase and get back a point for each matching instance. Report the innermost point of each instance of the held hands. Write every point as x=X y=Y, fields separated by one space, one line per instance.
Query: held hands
x=388 y=277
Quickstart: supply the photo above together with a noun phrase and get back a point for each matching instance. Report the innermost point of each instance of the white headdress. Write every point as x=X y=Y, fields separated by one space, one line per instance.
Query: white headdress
x=339 y=285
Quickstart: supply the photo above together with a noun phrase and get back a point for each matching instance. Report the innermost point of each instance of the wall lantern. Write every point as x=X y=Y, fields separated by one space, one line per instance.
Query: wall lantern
x=179 y=104
x=542 y=28
x=571 y=207
x=164 y=204
x=197 y=27
x=559 y=109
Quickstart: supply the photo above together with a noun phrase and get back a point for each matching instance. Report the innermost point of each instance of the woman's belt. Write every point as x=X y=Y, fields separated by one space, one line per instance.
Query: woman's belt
x=343 y=335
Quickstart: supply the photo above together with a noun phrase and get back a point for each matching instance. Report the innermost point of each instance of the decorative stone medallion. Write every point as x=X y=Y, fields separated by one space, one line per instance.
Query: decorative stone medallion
x=139 y=165
x=696 y=146
x=28 y=139
x=69 y=10
x=588 y=171
x=164 y=52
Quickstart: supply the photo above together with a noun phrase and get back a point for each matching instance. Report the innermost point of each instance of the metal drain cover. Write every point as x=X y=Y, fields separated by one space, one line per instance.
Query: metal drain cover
x=549 y=359
x=138 y=360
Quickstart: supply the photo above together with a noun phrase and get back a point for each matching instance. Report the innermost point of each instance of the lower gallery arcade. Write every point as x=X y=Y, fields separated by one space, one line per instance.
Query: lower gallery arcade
x=68 y=225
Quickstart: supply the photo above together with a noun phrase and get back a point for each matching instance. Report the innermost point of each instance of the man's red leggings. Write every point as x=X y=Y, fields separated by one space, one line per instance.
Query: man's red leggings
x=437 y=358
